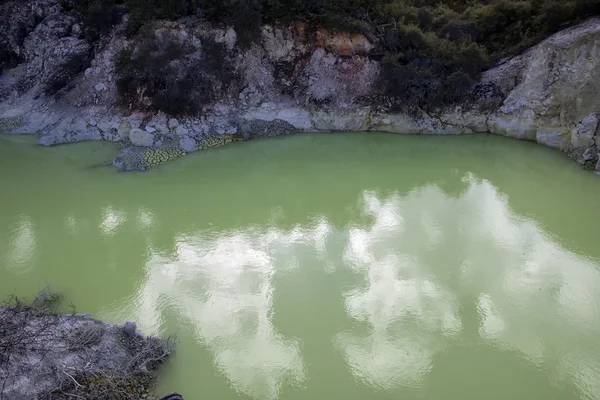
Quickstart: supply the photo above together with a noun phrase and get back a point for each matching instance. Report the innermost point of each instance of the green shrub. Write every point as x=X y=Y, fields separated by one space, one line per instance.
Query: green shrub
x=99 y=16
x=144 y=11
x=429 y=45
x=171 y=77
x=75 y=63
x=500 y=26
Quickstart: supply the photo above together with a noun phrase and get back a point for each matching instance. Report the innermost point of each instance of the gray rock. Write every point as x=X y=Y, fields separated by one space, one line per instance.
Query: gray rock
x=104 y=127
x=47 y=140
x=173 y=123
x=181 y=131
x=188 y=144
x=150 y=129
x=553 y=87
x=100 y=87
x=583 y=134
x=130 y=328
x=53 y=57
x=552 y=137
x=588 y=155
x=230 y=38
x=124 y=128
x=141 y=138
x=76 y=30
x=16 y=23
x=134 y=121
x=74 y=343
x=172 y=396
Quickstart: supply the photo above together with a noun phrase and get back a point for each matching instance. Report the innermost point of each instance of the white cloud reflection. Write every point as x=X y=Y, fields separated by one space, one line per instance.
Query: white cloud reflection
x=425 y=249
x=112 y=219
x=145 y=219
x=407 y=313
x=22 y=245
x=223 y=287
x=423 y=257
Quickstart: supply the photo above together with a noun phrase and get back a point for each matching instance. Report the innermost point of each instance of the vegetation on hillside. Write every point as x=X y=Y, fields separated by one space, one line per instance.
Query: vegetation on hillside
x=164 y=75
x=432 y=50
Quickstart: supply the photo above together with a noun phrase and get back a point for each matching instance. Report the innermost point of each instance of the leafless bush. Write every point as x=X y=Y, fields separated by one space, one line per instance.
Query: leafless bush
x=85 y=336
x=17 y=335
x=128 y=382
x=46 y=355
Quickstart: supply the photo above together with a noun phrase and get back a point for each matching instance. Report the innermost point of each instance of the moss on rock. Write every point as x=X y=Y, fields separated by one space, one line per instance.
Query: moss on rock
x=153 y=157
x=218 y=140
x=9 y=123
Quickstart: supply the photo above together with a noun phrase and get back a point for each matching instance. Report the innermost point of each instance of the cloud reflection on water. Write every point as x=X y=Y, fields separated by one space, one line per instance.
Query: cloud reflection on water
x=223 y=287
x=424 y=257
x=532 y=295
x=22 y=244
x=409 y=314
x=112 y=220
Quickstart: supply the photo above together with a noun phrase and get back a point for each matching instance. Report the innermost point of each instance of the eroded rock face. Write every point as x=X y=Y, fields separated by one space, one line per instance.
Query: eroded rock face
x=554 y=97
x=48 y=42
x=300 y=79
x=17 y=21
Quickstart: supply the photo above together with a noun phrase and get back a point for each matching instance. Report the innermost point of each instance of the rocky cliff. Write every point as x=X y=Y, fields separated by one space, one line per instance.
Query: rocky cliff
x=294 y=78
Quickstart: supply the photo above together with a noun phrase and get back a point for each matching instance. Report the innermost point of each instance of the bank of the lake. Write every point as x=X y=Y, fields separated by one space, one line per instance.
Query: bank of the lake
x=350 y=266
x=49 y=355
x=66 y=86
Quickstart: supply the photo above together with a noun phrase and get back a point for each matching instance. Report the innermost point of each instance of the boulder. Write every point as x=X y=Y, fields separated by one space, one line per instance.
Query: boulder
x=124 y=128
x=188 y=144
x=173 y=123
x=181 y=130
x=141 y=138
x=172 y=396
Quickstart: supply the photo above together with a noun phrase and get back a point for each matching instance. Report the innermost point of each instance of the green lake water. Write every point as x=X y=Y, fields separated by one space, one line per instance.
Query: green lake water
x=325 y=266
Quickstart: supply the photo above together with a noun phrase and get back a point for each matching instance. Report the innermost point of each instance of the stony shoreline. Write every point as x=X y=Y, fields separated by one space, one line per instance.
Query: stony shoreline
x=46 y=354
x=288 y=82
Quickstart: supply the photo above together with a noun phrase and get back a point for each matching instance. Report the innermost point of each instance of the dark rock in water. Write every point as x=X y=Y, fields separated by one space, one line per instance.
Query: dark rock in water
x=173 y=396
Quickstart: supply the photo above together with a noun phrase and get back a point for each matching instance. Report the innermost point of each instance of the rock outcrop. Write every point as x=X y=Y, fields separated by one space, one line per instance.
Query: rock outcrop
x=53 y=356
x=293 y=79
x=553 y=93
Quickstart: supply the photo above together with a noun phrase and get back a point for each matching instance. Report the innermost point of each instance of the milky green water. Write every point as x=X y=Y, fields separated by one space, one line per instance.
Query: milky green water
x=326 y=266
